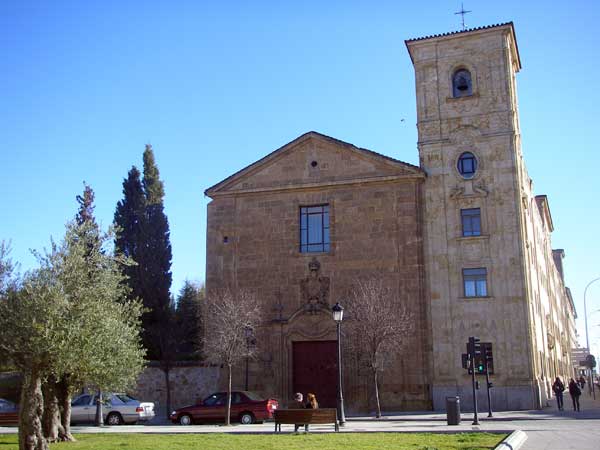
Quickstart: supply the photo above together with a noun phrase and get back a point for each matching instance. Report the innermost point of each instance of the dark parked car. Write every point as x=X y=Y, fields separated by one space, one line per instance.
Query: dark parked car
x=246 y=408
x=9 y=413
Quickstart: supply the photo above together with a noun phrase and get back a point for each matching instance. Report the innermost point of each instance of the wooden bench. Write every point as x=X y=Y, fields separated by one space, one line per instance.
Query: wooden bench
x=305 y=417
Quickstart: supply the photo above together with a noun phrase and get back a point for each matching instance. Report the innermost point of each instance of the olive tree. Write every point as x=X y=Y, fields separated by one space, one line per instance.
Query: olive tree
x=229 y=318
x=102 y=327
x=30 y=320
x=69 y=323
x=378 y=326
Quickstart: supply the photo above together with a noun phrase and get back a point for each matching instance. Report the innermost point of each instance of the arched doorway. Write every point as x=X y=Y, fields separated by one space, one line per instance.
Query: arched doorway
x=315 y=370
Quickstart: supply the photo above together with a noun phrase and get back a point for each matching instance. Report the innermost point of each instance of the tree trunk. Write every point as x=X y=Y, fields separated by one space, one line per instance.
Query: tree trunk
x=228 y=409
x=32 y=405
x=167 y=371
x=51 y=415
x=63 y=394
x=378 y=413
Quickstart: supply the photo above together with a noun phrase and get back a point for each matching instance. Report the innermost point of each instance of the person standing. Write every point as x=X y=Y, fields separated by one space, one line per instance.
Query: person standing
x=558 y=387
x=575 y=393
x=582 y=382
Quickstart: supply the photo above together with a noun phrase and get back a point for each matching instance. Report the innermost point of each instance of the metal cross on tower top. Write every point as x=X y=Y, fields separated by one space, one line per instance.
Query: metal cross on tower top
x=462 y=12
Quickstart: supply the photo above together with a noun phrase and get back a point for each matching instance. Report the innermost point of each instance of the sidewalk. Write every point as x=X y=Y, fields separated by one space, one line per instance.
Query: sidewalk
x=547 y=429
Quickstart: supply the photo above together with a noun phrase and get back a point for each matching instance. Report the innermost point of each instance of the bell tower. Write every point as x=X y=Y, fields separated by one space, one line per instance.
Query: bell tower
x=469 y=146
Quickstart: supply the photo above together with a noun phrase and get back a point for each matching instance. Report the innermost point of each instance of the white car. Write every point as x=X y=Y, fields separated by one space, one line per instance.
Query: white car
x=117 y=409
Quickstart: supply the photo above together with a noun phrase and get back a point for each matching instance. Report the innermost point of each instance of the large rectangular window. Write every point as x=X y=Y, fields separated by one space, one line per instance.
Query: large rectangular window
x=314 y=229
x=471 y=221
x=475 y=282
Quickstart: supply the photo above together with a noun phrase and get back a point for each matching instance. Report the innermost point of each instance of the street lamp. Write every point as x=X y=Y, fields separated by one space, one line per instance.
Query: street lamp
x=587 y=333
x=338 y=314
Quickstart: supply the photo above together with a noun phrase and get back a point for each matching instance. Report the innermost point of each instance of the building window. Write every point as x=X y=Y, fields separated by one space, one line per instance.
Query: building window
x=467 y=165
x=314 y=229
x=461 y=83
x=475 y=282
x=471 y=221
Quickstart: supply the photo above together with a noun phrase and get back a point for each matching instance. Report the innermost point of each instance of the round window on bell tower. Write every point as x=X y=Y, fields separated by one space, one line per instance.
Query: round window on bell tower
x=467 y=165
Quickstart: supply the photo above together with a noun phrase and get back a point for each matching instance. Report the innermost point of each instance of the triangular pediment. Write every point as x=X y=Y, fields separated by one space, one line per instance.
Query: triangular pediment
x=314 y=159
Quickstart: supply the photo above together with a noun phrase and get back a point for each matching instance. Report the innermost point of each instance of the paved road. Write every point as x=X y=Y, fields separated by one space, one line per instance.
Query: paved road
x=548 y=429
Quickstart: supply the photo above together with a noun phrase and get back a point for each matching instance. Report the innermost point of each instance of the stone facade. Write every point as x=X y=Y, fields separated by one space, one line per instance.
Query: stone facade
x=188 y=384
x=253 y=244
x=525 y=311
x=388 y=218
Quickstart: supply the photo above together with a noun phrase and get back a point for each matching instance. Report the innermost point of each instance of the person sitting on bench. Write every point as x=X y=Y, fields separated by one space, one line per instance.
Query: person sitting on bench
x=298 y=403
x=311 y=403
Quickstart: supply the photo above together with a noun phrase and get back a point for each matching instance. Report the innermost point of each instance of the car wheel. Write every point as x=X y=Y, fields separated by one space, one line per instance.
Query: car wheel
x=186 y=419
x=114 y=419
x=246 y=418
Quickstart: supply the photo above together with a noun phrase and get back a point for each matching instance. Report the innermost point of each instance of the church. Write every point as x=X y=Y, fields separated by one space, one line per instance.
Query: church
x=462 y=241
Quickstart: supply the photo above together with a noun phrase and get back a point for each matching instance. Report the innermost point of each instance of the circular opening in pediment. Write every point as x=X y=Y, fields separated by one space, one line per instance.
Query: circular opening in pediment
x=314 y=164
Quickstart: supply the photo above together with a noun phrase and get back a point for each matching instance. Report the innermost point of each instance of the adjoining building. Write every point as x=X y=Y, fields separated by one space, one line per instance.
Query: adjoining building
x=462 y=241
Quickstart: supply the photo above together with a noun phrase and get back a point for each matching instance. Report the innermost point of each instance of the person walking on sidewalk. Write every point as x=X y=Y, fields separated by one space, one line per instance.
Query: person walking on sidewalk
x=575 y=393
x=558 y=387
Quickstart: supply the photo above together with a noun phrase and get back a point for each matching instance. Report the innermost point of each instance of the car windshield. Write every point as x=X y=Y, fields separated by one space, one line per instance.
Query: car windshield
x=83 y=400
x=253 y=396
x=123 y=398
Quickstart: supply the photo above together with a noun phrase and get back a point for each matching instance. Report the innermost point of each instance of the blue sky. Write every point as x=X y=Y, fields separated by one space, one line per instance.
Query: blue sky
x=214 y=86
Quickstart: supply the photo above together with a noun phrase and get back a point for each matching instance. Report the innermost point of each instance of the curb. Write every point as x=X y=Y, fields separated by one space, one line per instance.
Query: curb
x=513 y=442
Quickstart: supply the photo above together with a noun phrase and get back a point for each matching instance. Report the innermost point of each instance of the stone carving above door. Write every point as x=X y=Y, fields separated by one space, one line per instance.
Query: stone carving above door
x=315 y=288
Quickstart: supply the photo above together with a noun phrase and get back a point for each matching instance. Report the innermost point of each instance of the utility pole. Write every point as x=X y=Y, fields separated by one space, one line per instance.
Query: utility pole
x=587 y=333
x=473 y=343
x=488 y=384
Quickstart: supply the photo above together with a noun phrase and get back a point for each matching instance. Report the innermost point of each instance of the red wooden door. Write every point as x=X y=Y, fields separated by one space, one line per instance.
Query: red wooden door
x=315 y=370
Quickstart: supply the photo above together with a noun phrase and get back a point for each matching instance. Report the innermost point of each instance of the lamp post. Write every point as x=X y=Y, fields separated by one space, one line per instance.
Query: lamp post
x=338 y=314
x=587 y=333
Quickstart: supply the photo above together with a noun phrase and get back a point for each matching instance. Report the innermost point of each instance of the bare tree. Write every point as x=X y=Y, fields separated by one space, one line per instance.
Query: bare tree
x=229 y=316
x=378 y=325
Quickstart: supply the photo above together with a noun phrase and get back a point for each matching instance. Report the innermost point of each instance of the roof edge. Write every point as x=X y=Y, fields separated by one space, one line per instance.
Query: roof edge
x=297 y=141
x=468 y=30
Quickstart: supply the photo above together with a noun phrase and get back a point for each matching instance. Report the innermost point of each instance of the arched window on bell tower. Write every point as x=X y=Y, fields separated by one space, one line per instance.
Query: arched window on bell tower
x=461 y=83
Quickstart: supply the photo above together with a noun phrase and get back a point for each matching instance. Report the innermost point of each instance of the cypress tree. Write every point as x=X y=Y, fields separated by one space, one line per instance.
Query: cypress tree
x=143 y=235
x=90 y=233
x=129 y=223
x=155 y=263
x=189 y=321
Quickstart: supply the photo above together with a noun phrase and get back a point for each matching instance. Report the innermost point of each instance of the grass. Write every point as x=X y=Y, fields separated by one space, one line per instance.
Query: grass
x=329 y=441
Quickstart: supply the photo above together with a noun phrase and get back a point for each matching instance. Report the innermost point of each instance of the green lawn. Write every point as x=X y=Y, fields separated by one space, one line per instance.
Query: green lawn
x=329 y=441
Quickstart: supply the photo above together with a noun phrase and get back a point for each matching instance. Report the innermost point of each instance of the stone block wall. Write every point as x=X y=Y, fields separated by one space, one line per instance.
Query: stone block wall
x=188 y=383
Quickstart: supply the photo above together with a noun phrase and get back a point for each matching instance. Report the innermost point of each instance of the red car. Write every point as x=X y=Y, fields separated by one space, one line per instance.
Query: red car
x=246 y=407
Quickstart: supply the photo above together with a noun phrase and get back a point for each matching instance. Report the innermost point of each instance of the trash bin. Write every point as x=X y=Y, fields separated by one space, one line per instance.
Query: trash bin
x=453 y=410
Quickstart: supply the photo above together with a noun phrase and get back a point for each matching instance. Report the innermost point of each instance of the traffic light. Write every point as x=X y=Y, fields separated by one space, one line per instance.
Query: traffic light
x=590 y=361
x=479 y=364
x=488 y=356
x=481 y=357
x=474 y=346
x=465 y=361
